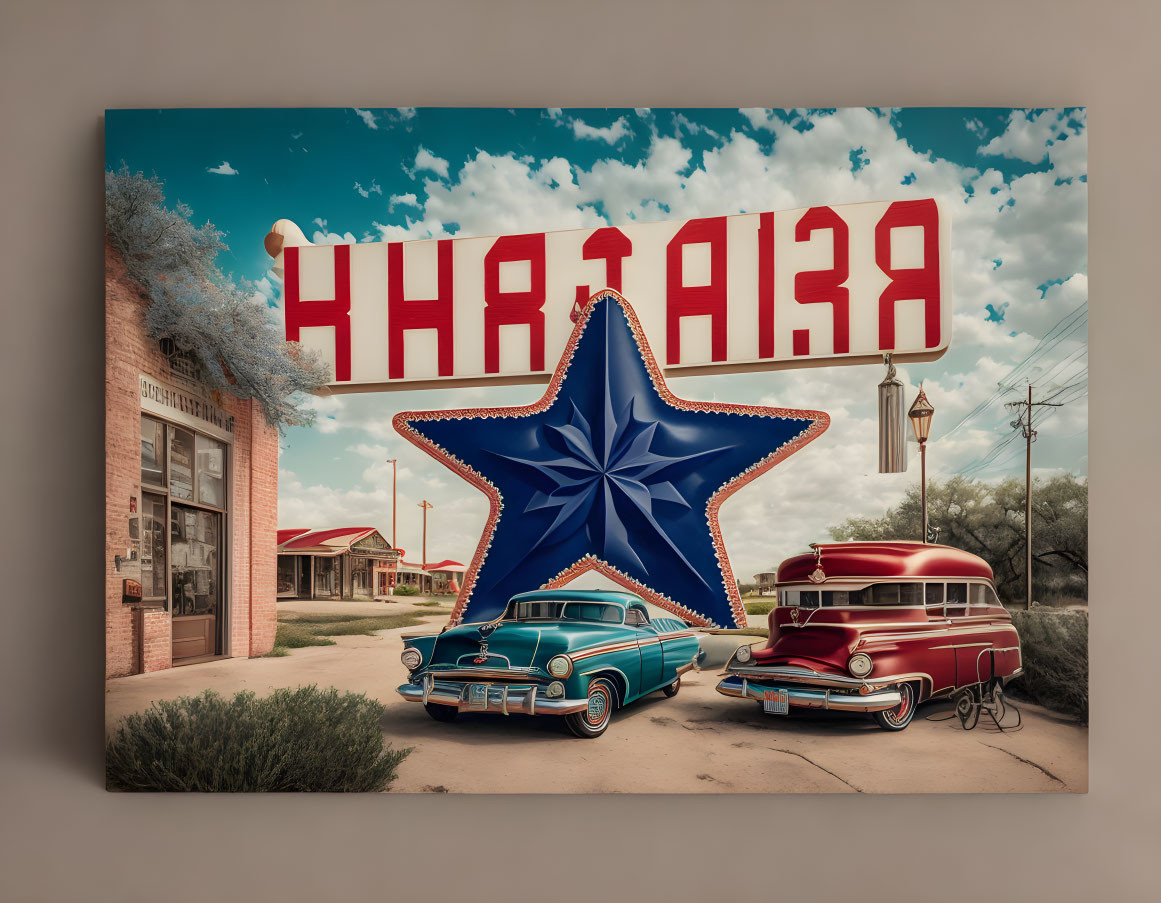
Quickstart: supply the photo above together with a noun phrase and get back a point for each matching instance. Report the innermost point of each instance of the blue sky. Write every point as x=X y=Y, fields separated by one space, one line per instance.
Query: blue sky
x=1015 y=180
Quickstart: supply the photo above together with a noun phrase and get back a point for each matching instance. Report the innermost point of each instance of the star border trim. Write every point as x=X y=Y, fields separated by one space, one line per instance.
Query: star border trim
x=820 y=421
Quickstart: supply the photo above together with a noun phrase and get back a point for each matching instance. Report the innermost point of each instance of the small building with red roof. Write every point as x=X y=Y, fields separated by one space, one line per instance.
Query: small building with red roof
x=338 y=563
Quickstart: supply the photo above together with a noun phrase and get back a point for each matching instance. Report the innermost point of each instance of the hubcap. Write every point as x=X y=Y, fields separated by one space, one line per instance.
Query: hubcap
x=598 y=705
x=900 y=712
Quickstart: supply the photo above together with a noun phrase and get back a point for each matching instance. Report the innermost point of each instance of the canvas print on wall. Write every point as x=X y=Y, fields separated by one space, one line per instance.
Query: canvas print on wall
x=610 y=450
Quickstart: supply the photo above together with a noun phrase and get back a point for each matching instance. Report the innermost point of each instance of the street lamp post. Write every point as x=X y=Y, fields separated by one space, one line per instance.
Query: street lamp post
x=921 y=413
x=425 y=504
x=393 y=462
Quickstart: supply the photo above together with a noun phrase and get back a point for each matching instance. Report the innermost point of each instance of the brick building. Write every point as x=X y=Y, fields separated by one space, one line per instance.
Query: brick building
x=191 y=504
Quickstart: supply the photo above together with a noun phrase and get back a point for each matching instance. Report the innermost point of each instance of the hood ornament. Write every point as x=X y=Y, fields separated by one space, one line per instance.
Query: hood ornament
x=818 y=575
x=485 y=631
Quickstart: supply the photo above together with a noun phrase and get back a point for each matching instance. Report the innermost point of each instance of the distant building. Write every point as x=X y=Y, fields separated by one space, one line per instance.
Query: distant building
x=765 y=582
x=442 y=577
x=341 y=563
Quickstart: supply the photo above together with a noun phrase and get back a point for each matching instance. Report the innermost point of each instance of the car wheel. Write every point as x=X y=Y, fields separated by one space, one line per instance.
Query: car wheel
x=671 y=689
x=441 y=712
x=591 y=723
x=899 y=717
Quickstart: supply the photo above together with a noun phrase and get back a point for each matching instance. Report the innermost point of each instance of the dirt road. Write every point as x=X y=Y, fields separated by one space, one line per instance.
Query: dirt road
x=697 y=742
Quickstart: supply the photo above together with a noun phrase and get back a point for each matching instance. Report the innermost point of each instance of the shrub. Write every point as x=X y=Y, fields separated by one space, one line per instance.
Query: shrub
x=406 y=591
x=760 y=606
x=225 y=324
x=1054 y=648
x=304 y=739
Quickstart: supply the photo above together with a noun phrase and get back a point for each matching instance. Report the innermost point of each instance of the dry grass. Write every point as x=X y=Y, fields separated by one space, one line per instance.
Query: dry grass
x=299 y=631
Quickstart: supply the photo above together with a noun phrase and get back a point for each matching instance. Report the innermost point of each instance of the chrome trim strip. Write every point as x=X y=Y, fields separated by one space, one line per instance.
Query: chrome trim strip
x=503 y=700
x=485 y=673
x=878 y=701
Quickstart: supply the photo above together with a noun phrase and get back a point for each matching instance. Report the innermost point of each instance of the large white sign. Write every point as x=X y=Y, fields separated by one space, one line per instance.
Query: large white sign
x=826 y=285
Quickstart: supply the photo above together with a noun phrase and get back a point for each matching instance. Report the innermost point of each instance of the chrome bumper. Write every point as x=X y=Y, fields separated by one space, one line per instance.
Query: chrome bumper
x=502 y=699
x=742 y=687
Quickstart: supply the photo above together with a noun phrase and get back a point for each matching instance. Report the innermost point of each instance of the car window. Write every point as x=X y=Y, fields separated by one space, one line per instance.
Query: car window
x=990 y=597
x=800 y=598
x=592 y=611
x=933 y=594
x=956 y=599
x=535 y=611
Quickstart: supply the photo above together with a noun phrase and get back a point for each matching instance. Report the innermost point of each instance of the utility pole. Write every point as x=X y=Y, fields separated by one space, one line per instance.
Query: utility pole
x=393 y=462
x=425 y=504
x=1024 y=423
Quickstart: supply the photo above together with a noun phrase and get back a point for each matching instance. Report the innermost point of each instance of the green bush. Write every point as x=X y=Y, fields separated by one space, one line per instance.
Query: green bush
x=1054 y=648
x=304 y=739
x=406 y=591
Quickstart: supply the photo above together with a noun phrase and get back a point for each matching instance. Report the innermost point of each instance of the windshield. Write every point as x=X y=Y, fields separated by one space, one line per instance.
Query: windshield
x=548 y=610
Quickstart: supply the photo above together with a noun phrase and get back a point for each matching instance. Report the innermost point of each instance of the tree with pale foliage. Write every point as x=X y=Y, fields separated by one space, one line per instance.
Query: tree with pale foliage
x=987 y=519
x=207 y=314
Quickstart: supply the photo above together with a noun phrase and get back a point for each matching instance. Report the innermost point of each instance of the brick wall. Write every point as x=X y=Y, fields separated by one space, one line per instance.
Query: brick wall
x=137 y=641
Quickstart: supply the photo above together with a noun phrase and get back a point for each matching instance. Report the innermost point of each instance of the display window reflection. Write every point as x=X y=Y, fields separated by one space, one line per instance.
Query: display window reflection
x=195 y=557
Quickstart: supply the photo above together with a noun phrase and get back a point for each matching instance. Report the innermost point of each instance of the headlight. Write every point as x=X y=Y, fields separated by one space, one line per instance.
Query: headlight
x=556 y=688
x=860 y=664
x=560 y=666
x=743 y=654
x=411 y=658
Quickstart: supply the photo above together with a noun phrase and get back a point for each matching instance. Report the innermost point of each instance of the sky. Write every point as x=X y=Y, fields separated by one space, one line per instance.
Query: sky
x=1015 y=182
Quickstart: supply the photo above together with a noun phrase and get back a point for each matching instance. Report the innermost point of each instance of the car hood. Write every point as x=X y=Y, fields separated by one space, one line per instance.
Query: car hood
x=810 y=646
x=523 y=644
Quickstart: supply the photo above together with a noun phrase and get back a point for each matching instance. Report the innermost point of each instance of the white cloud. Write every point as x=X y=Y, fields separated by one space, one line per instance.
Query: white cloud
x=406 y=113
x=320 y=222
x=369 y=118
x=409 y=200
x=426 y=160
x=222 y=169
x=333 y=238
x=1045 y=135
x=610 y=134
x=373 y=188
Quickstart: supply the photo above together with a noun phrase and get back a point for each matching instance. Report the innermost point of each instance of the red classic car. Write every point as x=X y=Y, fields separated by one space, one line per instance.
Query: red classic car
x=877 y=627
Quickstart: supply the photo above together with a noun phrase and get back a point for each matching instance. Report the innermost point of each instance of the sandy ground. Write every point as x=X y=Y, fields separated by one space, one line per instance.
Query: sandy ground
x=697 y=742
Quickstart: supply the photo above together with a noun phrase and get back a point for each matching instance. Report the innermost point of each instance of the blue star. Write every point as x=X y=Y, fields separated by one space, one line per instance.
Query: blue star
x=611 y=472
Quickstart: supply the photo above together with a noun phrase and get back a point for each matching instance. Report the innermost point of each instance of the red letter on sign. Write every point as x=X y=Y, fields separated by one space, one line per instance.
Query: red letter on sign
x=766 y=285
x=696 y=300
x=429 y=314
x=505 y=308
x=909 y=284
x=611 y=245
x=826 y=286
x=336 y=313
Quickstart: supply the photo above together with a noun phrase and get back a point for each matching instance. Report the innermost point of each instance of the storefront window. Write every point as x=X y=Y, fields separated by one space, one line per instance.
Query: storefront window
x=289 y=567
x=153 y=569
x=327 y=576
x=211 y=464
x=194 y=544
x=152 y=452
x=361 y=577
x=181 y=462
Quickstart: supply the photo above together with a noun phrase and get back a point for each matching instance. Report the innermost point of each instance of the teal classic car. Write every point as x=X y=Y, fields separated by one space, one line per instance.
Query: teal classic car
x=576 y=653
